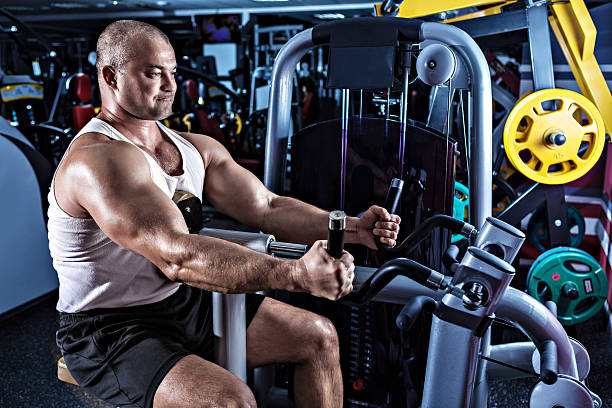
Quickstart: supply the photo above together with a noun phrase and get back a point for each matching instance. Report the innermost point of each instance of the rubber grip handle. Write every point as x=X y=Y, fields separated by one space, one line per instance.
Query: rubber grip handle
x=391 y=200
x=548 y=362
x=412 y=310
x=393 y=195
x=335 y=233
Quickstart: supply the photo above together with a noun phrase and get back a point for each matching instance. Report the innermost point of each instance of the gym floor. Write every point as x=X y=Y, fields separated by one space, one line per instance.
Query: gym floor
x=28 y=357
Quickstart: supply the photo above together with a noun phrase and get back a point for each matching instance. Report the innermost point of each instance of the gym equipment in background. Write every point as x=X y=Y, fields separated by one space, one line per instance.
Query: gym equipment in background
x=25 y=177
x=537 y=228
x=573 y=280
x=554 y=136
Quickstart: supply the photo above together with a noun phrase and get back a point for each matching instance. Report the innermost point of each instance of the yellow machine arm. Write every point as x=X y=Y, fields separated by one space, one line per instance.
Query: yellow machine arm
x=572 y=25
x=576 y=34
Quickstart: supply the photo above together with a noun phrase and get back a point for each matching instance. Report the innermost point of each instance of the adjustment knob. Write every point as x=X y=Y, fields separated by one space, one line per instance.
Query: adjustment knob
x=557 y=139
x=570 y=290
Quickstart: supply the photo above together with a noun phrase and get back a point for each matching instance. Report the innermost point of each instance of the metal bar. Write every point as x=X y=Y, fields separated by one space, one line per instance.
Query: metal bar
x=528 y=202
x=556 y=216
x=539 y=324
x=279 y=110
x=404 y=117
x=193 y=12
x=346 y=102
x=522 y=310
x=493 y=25
x=480 y=182
x=539 y=47
x=451 y=365
x=517 y=354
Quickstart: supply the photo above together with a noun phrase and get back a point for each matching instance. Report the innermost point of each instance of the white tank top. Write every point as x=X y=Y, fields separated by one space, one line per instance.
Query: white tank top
x=94 y=272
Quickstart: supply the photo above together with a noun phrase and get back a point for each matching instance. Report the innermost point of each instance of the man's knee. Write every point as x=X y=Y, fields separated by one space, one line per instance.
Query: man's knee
x=323 y=337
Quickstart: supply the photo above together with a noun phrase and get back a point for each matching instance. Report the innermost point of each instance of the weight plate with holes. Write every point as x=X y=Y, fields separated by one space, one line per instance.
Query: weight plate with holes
x=566 y=392
x=537 y=228
x=572 y=279
x=554 y=136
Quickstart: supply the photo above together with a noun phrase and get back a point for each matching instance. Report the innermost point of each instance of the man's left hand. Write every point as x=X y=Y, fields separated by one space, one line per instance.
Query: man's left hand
x=377 y=224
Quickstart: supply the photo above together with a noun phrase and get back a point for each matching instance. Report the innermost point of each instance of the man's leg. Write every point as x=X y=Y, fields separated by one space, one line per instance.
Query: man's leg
x=280 y=333
x=195 y=382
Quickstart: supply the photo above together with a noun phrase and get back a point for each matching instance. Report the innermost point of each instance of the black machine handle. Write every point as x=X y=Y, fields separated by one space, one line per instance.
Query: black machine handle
x=413 y=309
x=335 y=233
x=407 y=29
x=548 y=362
x=440 y=220
x=391 y=201
x=388 y=271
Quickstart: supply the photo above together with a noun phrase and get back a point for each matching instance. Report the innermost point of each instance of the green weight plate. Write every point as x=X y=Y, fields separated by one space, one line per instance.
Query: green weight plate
x=537 y=229
x=460 y=203
x=573 y=280
x=546 y=254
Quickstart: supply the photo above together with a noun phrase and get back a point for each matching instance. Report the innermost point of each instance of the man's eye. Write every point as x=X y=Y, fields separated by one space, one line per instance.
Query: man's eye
x=153 y=74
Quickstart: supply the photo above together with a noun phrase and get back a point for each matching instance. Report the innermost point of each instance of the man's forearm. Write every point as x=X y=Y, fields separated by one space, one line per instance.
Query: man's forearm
x=222 y=266
x=291 y=220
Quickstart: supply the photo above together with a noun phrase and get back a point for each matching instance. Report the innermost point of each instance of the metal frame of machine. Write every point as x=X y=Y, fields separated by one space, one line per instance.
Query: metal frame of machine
x=458 y=337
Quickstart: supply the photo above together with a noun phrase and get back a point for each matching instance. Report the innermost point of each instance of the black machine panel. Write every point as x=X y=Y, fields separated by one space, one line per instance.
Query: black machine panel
x=370 y=345
x=373 y=159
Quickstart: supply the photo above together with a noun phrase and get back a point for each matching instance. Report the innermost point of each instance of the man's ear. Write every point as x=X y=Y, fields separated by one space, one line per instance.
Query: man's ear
x=109 y=74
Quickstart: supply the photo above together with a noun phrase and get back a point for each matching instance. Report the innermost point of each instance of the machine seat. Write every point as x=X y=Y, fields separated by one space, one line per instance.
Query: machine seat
x=63 y=373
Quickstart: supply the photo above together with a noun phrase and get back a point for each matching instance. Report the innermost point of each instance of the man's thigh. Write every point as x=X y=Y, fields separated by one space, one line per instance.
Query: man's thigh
x=195 y=382
x=281 y=333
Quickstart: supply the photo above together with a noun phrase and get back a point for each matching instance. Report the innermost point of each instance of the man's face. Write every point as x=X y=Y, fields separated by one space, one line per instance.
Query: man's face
x=146 y=86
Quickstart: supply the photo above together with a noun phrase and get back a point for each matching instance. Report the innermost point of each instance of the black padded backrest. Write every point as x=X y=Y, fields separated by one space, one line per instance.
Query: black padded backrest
x=362 y=50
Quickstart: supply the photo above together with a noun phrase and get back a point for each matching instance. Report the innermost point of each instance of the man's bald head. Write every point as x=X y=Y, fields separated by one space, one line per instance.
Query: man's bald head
x=116 y=43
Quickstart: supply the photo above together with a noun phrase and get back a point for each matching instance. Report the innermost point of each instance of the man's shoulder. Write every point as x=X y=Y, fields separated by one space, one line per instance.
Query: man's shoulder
x=210 y=149
x=95 y=153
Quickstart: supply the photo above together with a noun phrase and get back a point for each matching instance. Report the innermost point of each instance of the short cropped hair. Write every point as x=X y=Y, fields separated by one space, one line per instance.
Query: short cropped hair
x=115 y=47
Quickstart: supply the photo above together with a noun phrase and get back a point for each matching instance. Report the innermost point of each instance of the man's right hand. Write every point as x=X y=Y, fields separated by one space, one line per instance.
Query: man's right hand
x=319 y=274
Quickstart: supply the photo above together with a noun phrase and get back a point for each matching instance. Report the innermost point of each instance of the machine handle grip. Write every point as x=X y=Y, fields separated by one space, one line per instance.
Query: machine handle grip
x=335 y=233
x=391 y=200
x=412 y=310
x=388 y=271
x=548 y=362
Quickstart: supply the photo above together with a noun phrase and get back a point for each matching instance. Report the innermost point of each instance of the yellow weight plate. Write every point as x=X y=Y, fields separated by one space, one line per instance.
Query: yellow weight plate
x=554 y=136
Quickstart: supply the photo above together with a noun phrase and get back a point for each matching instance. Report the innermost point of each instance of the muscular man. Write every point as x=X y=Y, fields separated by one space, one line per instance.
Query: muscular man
x=135 y=322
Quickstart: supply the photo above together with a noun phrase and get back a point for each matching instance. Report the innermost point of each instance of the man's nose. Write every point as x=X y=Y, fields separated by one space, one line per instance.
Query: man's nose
x=169 y=83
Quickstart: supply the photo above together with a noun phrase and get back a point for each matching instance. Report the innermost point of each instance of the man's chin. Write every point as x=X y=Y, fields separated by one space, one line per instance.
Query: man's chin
x=160 y=115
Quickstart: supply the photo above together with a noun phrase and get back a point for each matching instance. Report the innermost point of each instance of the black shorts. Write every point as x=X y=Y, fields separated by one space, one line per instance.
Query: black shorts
x=122 y=355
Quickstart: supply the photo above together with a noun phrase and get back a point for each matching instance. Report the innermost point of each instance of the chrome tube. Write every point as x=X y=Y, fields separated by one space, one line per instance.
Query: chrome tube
x=279 y=110
x=480 y=182
x=539 y=324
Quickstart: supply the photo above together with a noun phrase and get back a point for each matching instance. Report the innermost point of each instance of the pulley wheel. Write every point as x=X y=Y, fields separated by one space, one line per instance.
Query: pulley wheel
x=537 y=228
x=554 y=136
x=566 y=392
x=573 y=280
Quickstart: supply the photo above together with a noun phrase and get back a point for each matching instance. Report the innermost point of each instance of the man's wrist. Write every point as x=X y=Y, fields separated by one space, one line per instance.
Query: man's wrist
x=292 y=275
x=351 y=232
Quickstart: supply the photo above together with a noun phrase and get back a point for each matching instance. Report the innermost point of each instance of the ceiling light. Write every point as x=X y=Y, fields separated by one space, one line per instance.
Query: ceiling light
x=329 y=16
x=115 y=2
x=68 y=5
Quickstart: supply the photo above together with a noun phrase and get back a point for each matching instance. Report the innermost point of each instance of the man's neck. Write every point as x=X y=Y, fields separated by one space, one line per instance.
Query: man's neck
x=141 y=132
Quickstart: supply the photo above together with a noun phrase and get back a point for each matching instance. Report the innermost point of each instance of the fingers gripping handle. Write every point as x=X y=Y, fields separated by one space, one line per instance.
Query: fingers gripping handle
x=393 y=196
x=335 y=233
